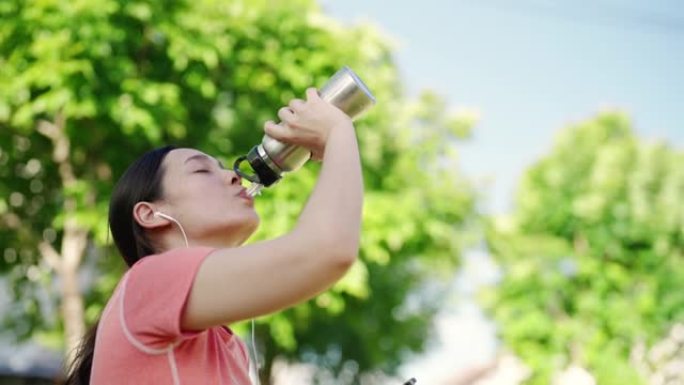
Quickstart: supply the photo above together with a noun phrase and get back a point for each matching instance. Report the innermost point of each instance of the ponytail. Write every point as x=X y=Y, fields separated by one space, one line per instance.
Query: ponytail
x=78 y=372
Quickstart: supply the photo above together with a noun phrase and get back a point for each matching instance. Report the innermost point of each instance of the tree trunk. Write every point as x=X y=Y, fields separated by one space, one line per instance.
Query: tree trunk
x=73 y=248
x=67 y=262
x=66 y=265
x=72 y=311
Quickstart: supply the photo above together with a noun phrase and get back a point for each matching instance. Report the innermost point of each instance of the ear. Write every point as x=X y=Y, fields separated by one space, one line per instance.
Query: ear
x=143 y=213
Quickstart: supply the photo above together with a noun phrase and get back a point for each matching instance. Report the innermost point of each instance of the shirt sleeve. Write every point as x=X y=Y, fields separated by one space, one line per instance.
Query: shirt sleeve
x=155 y=294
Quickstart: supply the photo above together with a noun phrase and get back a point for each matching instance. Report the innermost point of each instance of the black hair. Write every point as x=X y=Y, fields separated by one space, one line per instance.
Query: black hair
x=142 y=181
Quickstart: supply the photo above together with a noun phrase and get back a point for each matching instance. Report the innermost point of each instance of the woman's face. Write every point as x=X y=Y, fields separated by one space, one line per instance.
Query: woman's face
x=208 y=200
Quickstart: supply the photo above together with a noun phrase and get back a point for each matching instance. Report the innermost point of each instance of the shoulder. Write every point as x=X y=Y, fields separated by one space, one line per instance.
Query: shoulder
x=178 y=258
x=170 y=273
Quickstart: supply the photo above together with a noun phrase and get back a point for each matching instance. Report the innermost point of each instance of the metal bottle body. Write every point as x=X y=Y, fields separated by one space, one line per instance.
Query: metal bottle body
x=345 y=91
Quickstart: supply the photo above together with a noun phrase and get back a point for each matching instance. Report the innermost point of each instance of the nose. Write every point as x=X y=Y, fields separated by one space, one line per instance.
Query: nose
x=231 y=177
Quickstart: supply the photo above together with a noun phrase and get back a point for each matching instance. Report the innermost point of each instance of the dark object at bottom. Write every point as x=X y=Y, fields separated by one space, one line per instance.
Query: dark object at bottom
x=410 y=382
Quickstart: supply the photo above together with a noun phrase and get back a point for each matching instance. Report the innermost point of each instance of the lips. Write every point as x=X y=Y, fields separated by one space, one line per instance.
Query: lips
x=243 y=194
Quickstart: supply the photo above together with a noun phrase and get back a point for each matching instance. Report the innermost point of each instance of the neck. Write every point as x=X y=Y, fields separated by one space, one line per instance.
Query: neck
x=175 y=241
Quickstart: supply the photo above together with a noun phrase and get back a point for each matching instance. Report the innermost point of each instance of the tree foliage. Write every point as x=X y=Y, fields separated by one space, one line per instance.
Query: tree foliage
x=592 y=253
x=88 y=86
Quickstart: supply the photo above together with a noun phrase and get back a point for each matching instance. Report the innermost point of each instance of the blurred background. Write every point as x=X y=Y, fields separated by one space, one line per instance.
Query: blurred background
x=523 y=221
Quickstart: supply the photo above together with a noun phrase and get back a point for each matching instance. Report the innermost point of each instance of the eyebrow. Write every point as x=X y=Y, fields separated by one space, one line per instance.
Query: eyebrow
x=204 y=158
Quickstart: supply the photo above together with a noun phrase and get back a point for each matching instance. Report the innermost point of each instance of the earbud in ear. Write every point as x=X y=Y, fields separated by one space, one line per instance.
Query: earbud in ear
x=160 y=214
x=165 y=216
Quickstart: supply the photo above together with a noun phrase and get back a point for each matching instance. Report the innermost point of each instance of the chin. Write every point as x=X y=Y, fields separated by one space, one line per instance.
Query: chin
x=253 y=225
x=248 y=226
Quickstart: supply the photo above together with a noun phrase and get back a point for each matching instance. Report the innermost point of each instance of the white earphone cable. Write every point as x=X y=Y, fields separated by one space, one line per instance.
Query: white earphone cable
x=256 y=358
x=254 y=349
x=172 y=219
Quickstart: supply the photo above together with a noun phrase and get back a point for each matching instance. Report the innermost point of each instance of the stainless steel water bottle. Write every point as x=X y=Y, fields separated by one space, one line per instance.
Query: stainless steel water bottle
x=271 y=158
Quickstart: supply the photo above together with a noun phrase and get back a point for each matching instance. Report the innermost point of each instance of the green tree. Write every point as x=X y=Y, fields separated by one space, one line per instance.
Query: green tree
x=87 y=86
x=592 y=253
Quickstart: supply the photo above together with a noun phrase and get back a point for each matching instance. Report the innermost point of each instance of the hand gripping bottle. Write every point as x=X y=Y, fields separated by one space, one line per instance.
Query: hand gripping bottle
x=271 y=158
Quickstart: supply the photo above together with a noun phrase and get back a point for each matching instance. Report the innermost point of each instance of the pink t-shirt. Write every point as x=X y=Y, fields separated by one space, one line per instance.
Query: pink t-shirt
x=139 y=338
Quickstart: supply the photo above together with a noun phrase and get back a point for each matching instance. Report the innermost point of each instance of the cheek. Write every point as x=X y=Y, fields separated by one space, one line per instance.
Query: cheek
x=205 y=188
x=198 y=198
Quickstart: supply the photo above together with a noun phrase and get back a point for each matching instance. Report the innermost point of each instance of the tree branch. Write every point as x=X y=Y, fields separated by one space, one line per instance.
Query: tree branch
x=50 y=255
x=61 y=146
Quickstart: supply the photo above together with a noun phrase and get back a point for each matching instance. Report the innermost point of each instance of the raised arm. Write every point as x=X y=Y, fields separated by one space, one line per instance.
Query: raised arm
x=244 y=282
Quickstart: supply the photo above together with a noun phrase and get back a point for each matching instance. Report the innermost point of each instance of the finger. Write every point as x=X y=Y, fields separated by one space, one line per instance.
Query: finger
x=285 y=114
x=276 y=131
x=312 y=94
x=296 y=104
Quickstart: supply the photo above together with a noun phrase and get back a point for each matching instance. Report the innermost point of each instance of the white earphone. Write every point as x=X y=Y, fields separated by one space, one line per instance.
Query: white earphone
x=172 y=219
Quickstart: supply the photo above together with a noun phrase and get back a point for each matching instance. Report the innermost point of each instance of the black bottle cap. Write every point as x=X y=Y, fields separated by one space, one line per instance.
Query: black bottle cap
x=265 y=174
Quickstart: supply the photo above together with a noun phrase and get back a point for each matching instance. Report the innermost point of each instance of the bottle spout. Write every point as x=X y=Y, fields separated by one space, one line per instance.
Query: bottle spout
x=255 y=189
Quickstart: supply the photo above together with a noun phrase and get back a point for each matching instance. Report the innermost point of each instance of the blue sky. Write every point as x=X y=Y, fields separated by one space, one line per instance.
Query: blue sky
x=531 y=67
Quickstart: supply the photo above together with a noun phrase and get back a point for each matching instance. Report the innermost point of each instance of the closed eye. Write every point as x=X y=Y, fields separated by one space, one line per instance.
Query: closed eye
x=201 y=171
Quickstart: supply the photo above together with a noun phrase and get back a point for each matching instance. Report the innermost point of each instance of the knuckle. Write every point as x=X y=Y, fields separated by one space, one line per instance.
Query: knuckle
x=295 y=103
x=285 y=114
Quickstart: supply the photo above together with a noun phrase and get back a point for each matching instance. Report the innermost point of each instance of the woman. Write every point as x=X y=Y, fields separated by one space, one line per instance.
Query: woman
x=179 y=219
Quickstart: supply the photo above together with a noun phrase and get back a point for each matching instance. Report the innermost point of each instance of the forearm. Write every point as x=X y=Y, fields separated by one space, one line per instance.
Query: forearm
x=333 y=211
x=307 y=261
